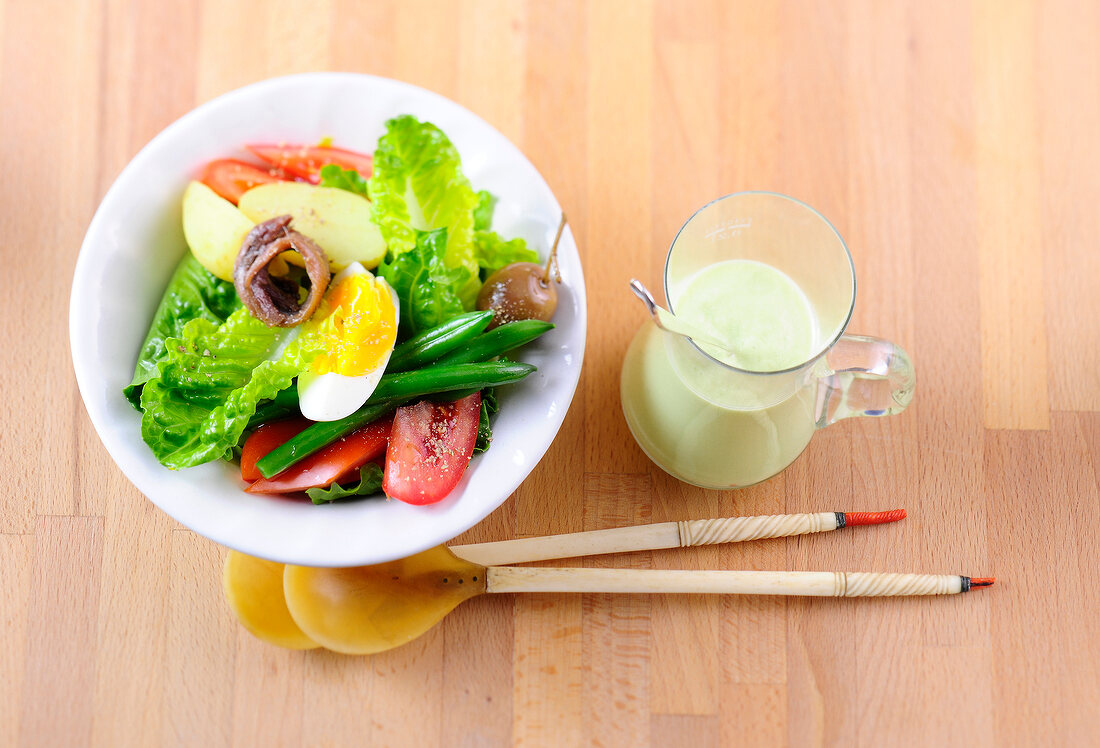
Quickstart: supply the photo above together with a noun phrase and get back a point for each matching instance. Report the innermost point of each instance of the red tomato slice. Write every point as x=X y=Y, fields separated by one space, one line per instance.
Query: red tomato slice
x=306 y=161
x=231 y=178
x=430 y=447
x=263 y=440
x=338 y=461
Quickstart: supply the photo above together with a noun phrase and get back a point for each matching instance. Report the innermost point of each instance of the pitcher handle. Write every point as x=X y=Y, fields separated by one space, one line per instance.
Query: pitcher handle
x=863 y=376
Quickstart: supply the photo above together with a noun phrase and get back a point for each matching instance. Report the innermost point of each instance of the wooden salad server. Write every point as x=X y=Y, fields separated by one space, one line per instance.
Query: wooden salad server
x=369 y=609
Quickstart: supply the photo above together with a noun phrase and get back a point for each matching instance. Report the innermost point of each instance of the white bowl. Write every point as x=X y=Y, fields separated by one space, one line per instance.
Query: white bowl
x=135 y=241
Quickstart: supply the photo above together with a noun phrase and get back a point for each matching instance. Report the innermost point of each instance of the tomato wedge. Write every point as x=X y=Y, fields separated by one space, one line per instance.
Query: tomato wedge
x=264 y=439
x=338 y=461
x=306 y=161
x=430 y=447
x=231 y=178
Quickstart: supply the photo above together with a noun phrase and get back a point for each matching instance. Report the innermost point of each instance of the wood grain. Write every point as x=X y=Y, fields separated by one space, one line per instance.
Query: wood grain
x=953 y=146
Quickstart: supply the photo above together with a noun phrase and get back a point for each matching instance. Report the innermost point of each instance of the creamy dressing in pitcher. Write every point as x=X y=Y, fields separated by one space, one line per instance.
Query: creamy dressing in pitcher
x=699 y=420
x=761 y=312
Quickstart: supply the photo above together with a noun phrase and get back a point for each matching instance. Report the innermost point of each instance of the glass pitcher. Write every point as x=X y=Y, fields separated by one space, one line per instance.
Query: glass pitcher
x=715 y=425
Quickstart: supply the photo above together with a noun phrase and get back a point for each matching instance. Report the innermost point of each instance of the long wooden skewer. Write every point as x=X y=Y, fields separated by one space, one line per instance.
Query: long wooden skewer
x=666 y=535
x=693 y=581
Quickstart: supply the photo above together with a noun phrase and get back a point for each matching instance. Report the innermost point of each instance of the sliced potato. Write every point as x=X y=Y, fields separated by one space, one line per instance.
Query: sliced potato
x=214 y=229
x=254 y=590
x=338 y=220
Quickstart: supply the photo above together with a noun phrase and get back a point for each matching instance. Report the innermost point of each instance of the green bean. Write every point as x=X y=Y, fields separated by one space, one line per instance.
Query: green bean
x=438 y=341
x=497 y=341
x=284 y=403
x=316 y=436
x=392 y=390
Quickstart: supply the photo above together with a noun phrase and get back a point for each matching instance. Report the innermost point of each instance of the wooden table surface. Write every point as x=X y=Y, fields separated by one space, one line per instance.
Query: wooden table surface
x=955 y=148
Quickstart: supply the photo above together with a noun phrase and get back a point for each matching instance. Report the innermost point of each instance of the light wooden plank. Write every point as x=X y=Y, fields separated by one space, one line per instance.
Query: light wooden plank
x=477 y=672
x=1014 y=343
x=493 y=34
x=336 y=687
x=241 y=44
x=59 y=665
x=755 y=714
x=823 y=706
x=753 y=630
x=50 y=116
x=362 y=36
x=1068 y=108
x=810 y=130
x=267 y=693
x=200 y=647
x=16 y=560
x=958 y=711
x=1044 y=635
x=427 y=45
x=554 y=131
x=617 y=639
x=751 y=64
x=877 y=135
x=620 y=173
x=685 y=663
x=133 y=607
x=407 y=692
x=546 y=673
x=949 y=504
x=698 y=731
x=884 y=458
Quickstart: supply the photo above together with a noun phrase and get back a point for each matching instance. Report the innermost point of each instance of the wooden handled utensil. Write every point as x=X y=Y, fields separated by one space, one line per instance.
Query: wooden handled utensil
x=666 y=535
x=368 y=609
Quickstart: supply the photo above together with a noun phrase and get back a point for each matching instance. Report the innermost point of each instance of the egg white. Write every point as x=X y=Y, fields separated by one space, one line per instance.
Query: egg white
x=332 y=396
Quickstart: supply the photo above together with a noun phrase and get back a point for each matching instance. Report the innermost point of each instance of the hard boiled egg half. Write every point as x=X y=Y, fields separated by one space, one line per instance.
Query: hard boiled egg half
x=355 y=329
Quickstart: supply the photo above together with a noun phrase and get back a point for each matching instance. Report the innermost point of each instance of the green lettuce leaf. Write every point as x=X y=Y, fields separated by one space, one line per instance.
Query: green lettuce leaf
x=418 y=185
x=344 y=179
x=209 y=385
x=493 y=252
x=192 y=293
x=370 y=483
x=483 y=213
x=489 y=408
x=429 y=288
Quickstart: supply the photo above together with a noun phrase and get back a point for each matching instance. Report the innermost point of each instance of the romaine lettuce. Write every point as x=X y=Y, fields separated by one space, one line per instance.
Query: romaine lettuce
x=192 y=293
x=336 y=176
x=418 y=185
x=370 y=483
x=209 y=384
x=483 y=213
x=493 y=252
x=426 y=285
x=489 y=408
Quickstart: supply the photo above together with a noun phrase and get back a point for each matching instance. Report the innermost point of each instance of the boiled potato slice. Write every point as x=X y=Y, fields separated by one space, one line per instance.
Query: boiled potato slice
x=214 y=229
x=338 y=220
x=254 y=590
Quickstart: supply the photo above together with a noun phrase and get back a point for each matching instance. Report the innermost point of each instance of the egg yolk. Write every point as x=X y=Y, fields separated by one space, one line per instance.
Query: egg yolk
x=356 y=327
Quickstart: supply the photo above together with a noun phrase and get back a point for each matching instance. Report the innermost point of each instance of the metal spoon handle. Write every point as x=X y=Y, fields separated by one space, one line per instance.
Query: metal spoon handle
x=668 y=322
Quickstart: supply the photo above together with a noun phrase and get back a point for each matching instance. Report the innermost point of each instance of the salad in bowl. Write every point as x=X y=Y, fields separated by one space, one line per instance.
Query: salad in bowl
x=337 y=318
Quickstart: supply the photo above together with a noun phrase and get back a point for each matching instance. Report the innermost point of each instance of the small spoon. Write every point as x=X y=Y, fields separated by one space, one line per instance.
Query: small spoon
x=669 y=322
x=369 y=609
